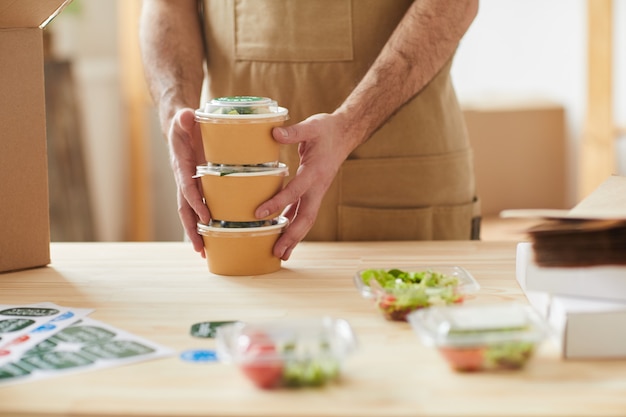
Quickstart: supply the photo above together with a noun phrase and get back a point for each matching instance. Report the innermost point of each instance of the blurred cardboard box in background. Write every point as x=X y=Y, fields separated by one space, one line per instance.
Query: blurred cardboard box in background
x=24 y=213
x=519 y=155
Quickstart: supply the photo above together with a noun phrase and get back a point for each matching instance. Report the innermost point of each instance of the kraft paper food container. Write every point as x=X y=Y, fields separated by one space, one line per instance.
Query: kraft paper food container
x=287 y=353
x=238 y=130
x=482 y=337
x=397 y=292
x=242 y=248
x=234 y=192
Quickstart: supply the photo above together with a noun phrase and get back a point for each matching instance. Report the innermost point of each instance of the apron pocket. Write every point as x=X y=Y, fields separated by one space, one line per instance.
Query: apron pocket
x=408 y=182
x=309 y=31
x=453 y=222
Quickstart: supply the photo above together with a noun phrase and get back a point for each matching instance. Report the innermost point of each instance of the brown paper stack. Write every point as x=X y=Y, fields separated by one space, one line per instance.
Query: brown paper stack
x=592 y=233
x=579 y=242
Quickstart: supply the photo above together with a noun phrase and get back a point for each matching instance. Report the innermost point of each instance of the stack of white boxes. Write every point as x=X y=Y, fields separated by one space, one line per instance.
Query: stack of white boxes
x=585 y=305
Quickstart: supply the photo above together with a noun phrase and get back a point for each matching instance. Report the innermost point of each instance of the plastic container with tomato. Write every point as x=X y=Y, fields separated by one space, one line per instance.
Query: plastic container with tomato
x=287 y=353
x=397 y=292
x=481 y=337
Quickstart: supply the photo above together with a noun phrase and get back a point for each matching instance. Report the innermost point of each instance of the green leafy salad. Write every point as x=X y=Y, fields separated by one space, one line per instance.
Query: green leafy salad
x=308 y=368
x=399 y=292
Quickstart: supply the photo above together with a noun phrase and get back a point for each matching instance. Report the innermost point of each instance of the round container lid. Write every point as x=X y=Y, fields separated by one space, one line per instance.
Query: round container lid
x=240 y=107
x=241 y=170
x=260 y=226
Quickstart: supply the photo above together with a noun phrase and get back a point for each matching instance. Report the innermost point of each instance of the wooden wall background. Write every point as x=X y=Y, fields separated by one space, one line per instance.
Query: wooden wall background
x=597 y=156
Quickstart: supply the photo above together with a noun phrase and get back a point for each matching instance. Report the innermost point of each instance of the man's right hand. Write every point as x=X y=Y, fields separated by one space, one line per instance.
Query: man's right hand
x=186 y=152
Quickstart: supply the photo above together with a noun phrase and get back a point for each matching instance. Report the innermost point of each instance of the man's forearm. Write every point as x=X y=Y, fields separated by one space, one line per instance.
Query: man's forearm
x=172 y=52
x=423 y=42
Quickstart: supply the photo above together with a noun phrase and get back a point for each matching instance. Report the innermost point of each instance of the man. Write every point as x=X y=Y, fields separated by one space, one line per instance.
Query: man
x=378 y=138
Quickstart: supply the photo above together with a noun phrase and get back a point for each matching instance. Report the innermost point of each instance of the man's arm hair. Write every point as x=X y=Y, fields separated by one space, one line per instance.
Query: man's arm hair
x=172 y=51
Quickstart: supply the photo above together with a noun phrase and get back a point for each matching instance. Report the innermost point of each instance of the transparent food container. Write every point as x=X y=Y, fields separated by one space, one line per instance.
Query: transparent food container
x=481 y=337
x=287 y=353
x=397 y=292
x=242 y=248
x=233 y=192
x=238 y=130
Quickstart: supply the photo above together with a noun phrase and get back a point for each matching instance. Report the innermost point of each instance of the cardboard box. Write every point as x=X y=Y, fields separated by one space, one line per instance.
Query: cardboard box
x=24 y=213
x=519 y=155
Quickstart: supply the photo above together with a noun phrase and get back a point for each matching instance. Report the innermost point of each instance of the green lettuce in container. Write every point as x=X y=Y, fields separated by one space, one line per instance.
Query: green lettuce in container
x=397 y=292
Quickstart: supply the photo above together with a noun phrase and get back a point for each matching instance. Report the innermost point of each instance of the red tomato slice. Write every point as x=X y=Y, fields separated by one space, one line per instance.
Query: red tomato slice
x=386 y=301
x=460 y=299
x=262 y=366
x=464 y=359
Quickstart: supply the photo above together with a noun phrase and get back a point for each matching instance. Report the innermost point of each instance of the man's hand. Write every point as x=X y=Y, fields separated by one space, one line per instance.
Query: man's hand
x=323 y=146
x=186 y=152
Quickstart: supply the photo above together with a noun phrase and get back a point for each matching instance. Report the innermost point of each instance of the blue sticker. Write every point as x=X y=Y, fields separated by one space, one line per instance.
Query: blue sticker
x=199 y=355
x=44 y=328
x=64 y=316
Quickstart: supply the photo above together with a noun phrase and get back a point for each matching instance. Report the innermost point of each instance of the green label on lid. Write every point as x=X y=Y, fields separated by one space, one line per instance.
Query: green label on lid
x=242 y=100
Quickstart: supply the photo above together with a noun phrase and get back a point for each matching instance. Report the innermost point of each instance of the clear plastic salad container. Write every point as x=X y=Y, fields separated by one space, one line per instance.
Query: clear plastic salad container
x=397 y=292
x=481 y=337
x=287 y=353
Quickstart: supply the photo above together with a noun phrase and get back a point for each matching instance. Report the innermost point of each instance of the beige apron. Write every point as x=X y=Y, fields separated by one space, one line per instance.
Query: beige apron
x=413 y=179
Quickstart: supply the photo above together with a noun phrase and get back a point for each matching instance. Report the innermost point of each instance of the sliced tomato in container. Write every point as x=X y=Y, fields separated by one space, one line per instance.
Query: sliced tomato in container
x=463 y=359
x=261 y=362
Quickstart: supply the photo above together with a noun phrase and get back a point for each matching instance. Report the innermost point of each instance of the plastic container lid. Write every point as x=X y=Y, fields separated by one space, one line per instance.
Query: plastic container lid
x=241 y=107
x=241 y=170
x=333 y=335
x=478 y=325
x=257 y=227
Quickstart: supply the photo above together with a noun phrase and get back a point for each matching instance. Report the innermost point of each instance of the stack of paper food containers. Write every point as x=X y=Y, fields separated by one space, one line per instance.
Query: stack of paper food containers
x=574 y=272
x=242 y=172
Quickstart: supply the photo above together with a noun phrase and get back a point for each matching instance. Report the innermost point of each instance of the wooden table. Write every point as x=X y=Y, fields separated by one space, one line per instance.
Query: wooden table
x=158 y=290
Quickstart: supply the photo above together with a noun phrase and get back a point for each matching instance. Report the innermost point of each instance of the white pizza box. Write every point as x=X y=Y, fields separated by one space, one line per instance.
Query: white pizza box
x=588 y=328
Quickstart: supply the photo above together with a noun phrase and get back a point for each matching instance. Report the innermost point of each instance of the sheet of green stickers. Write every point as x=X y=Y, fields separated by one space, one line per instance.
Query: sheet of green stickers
x=84 y=345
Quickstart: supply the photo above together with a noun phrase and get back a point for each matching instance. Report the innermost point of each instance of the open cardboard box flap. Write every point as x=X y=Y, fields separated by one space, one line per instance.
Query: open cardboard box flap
x=607 y=202
x=29 y=13
x=24 y=212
